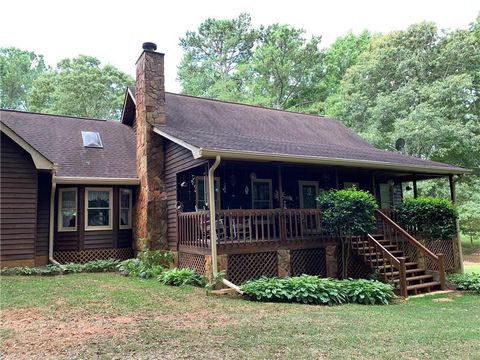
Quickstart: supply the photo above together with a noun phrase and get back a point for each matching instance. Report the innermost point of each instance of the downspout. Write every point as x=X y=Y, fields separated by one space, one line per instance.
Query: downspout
x=52 y=218
x=213 y=225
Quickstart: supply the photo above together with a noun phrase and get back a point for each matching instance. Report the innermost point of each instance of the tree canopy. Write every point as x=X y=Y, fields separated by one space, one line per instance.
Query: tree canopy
x=77 y=87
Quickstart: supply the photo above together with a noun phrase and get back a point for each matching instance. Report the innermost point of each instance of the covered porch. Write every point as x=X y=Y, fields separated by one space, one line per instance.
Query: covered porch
x=267 y=221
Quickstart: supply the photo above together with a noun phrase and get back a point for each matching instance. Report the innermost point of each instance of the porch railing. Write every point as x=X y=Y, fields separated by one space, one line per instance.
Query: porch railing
x=411 y=247
x=248 y=227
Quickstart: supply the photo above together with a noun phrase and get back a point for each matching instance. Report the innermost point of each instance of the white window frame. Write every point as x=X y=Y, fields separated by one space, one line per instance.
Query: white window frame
x=217 y=183
x=301 y=183
x=110 y=206
x=129 y=225
x=269 y=181
x=60 y=210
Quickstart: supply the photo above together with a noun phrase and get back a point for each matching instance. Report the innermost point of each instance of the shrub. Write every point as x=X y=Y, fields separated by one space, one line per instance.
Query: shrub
x=49 y=269
x=347 y=212
x=303 y=289
x=466 y=282
x=148 y=264
x=93 y=266
x=369 y=292
x=309 y=289
x=180 y=277
x=430 y=218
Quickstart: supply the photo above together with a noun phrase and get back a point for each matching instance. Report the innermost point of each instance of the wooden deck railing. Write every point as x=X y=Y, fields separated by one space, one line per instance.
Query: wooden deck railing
x=393 y=268
x=411 y=247
x=249 y=227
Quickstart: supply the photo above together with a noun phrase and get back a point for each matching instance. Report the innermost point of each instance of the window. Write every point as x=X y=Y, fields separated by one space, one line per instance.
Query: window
x=201 y=197
x=67 y=209
x=125 y=209
x=91 y=139
x=262 y=194
x=308 y=191
x=98 y=208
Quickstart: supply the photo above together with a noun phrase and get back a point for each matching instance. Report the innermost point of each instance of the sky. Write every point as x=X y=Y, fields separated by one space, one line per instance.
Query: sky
x=113 y=31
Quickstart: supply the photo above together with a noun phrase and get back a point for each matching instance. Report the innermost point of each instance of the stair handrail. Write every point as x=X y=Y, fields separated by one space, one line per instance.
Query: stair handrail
x=439 y=259
x=409 y=237
x=397 y=263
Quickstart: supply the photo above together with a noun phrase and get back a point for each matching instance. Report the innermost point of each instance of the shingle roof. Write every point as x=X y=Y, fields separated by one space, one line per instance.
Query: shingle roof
x=59 y=139
x=226 y=126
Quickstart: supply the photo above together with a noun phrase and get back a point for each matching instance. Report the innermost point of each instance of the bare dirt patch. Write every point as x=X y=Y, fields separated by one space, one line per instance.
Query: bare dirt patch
x=38 y=336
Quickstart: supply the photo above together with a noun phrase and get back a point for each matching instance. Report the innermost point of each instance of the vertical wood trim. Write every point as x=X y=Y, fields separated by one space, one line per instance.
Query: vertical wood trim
x=116 y=215
x=280 y=187
x=81 y=218
x=453 y=194
x=36 y=217
x=374 y=187
x=415 y=189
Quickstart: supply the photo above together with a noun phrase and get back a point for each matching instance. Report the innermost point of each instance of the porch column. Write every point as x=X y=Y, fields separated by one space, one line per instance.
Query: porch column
x=453 y=197
x=415 y=190
x=280 y=187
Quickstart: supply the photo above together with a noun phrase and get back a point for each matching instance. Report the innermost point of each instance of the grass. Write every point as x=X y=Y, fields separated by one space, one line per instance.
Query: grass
x=106 y=315
x=470 y=268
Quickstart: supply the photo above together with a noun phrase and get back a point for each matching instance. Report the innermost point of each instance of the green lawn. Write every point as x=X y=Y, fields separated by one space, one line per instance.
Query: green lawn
x=108 y=316
x=469 y=268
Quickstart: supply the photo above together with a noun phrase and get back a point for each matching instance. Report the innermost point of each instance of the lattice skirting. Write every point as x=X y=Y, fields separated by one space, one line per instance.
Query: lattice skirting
x=356 y=268
x=192 y=261
x=448 y=249
x=81 y=257
x=244 y=267
x=308 y=261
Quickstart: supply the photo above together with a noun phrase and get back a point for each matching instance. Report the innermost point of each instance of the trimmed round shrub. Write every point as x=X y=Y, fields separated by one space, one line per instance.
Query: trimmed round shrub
x=347 y=212
x=429 y=218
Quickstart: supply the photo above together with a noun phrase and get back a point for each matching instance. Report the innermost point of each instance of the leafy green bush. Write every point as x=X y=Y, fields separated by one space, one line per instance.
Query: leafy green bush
x=148 y=264
x=347 y=212
x=369 y=292
x=430 y=218
x=466 y=282
x=49 y=269
x=93 y=266
x=303 y=289
x=309 y=289
x=180 y=277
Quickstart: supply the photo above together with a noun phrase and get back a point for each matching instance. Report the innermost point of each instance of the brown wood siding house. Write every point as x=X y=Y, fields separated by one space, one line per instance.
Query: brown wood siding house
x=173 y=162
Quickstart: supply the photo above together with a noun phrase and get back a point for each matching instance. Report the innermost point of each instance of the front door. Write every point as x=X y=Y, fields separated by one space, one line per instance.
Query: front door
x=386 y=196
x=308 y=194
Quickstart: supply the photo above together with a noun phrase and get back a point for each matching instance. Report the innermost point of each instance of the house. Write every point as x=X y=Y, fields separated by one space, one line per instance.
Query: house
x=76 y=189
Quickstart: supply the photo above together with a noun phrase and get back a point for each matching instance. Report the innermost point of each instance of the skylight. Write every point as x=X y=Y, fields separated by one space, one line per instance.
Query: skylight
x=91 y=139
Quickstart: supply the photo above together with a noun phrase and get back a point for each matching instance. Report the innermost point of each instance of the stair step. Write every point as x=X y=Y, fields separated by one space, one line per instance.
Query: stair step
x=416 y=278
x=406 y=264
x=382 y=259
x=408 y=271
x=424 y=285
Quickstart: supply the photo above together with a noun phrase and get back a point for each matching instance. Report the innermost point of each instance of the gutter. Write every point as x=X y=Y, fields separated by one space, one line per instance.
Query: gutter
x=52 y=219
x=213 y=224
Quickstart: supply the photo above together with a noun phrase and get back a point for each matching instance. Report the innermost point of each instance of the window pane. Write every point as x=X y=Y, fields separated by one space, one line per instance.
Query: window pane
x=261 y=191
x=124 y=217
x=69 y=219
x=98 y=199
x=98 y=217
x=68 y=200
x=125 y=199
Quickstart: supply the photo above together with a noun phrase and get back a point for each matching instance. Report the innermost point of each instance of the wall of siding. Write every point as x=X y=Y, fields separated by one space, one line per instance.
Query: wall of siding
x=92 y=239
x=43 y=214
x=18 y=203
x=177 y=159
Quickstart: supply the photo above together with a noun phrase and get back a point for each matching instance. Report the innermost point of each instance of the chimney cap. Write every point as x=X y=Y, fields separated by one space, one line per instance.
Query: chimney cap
x=149 y=46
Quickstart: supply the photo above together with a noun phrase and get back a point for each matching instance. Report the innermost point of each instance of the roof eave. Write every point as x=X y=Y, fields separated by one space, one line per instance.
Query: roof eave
x=41 y=161
x=96 y=180
x=303 y=159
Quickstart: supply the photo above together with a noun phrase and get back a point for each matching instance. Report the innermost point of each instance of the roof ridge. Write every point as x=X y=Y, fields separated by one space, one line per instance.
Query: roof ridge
x=59 y=115
x=252 y=105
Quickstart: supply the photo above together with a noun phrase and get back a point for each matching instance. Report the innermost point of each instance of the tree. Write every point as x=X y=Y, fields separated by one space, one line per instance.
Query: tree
x=420 y=84
x=80 y=87
x=285 y=69
x=213 y=55
x=18 y=69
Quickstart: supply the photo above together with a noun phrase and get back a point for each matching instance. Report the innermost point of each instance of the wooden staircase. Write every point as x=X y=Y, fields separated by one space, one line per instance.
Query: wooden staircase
x=399 y=259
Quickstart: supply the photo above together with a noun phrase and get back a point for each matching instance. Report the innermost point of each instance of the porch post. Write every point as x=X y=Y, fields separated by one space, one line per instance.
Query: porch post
x=374 y=188
x=453 y=196
x=415 y=190
x=280 y=187
x=211 y=204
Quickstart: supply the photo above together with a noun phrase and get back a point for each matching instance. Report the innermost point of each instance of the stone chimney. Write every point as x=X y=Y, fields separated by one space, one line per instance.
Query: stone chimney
x=151 y=205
